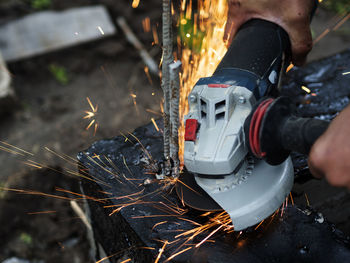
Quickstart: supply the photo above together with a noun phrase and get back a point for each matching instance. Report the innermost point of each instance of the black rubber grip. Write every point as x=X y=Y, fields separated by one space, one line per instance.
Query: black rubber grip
x=256 y=47
x=299 y=134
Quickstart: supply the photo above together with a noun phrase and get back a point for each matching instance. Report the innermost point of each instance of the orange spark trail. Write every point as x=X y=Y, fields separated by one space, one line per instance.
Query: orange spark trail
x=291 y=198
x=91 y=115
x=334 y=28
x=159 y=223
x=135 y=3
x=178 y=253
x=259 y=224
x=17 y=148
x=31 y=192
x=155 y=124
x=307 y=199
x=201 y=58
x=41 y=212
x=161 y=251
x=146 y=24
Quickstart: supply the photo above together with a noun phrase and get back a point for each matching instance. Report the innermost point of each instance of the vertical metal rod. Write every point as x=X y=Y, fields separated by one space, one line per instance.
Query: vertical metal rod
x=167 y=60
x=174 y=70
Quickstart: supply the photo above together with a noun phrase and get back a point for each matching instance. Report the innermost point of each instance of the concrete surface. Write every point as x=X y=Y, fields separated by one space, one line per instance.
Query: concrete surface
x=337 y=40
x=6 y=91
x=46 y=31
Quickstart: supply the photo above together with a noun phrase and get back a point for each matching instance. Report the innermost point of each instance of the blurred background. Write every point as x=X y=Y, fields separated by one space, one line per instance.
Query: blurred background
x=54 y=84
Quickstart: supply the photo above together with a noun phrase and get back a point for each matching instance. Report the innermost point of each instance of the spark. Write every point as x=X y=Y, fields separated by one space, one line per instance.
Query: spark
x=155 y=35
x=307 y=90
x=289 y=67
x=17 y=148
x=135 y=3
x=31 y=192
x=346 y=73
x=161 y=251
x=259 y=224
x=100 y=29
x=127 y=260
x=133 y=97
x=307 y=199
x=210 y=21
x=291 y=198
x=211 y=234
x=284 y=205
x=154 y=112
x=10 y=151
x=334 y=28
x=33 y=165
x=91 y=115
x=155 y=124
x=41 y=212
x=146 y=69
x=178 y=253
x=159 y=223
x=146 y=24
x=105 y=258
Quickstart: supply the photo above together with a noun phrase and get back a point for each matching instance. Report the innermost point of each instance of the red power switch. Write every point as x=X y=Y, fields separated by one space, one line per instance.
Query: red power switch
x=191 y=130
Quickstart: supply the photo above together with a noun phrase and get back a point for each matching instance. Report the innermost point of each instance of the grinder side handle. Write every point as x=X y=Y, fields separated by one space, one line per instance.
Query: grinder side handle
x=299 y=134
x=272 y=130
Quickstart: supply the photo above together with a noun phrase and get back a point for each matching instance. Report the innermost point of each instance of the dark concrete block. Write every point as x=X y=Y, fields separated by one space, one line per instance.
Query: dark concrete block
x=296 y=236
x=153 y=214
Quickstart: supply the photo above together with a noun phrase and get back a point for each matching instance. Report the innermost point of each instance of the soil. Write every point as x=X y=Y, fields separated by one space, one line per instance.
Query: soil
x=49 y=114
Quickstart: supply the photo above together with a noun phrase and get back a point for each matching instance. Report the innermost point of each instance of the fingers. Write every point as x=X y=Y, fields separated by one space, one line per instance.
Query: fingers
x=329 y=156
x=292 y=15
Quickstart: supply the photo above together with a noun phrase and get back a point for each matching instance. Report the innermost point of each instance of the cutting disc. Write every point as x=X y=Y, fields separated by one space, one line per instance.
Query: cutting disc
x=193 y=195
x=255 y=198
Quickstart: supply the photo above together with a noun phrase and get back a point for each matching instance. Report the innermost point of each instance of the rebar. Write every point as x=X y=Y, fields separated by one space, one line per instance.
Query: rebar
x=174 y=70
x=167 y=60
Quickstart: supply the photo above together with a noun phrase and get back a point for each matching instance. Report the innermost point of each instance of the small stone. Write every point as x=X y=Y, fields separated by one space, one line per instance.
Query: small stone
x=319 y=218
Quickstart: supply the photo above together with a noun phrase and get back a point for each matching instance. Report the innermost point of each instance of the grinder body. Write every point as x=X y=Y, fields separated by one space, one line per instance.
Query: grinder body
x=235 y=152
x=216 y=152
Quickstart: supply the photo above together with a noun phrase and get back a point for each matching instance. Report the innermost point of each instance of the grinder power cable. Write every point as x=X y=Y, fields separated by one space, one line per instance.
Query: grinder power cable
x=239 y=134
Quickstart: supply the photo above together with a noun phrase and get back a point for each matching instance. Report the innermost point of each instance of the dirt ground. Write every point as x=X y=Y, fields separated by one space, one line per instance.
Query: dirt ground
x=49 y=114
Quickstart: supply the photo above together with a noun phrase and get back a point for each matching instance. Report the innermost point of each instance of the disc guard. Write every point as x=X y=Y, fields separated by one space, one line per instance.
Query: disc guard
x=256 y=197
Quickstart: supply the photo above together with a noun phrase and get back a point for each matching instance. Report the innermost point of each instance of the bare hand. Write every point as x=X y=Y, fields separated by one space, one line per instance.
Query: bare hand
x=292 y=15
x=330 y=155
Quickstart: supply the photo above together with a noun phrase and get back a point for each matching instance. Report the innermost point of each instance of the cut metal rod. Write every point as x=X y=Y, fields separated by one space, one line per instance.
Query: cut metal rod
x=174 y=69
x=167 y=60
x=131 y=37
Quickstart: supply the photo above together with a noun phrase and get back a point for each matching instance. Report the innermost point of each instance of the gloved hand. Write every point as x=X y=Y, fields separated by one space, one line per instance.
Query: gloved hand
x=292 y=15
